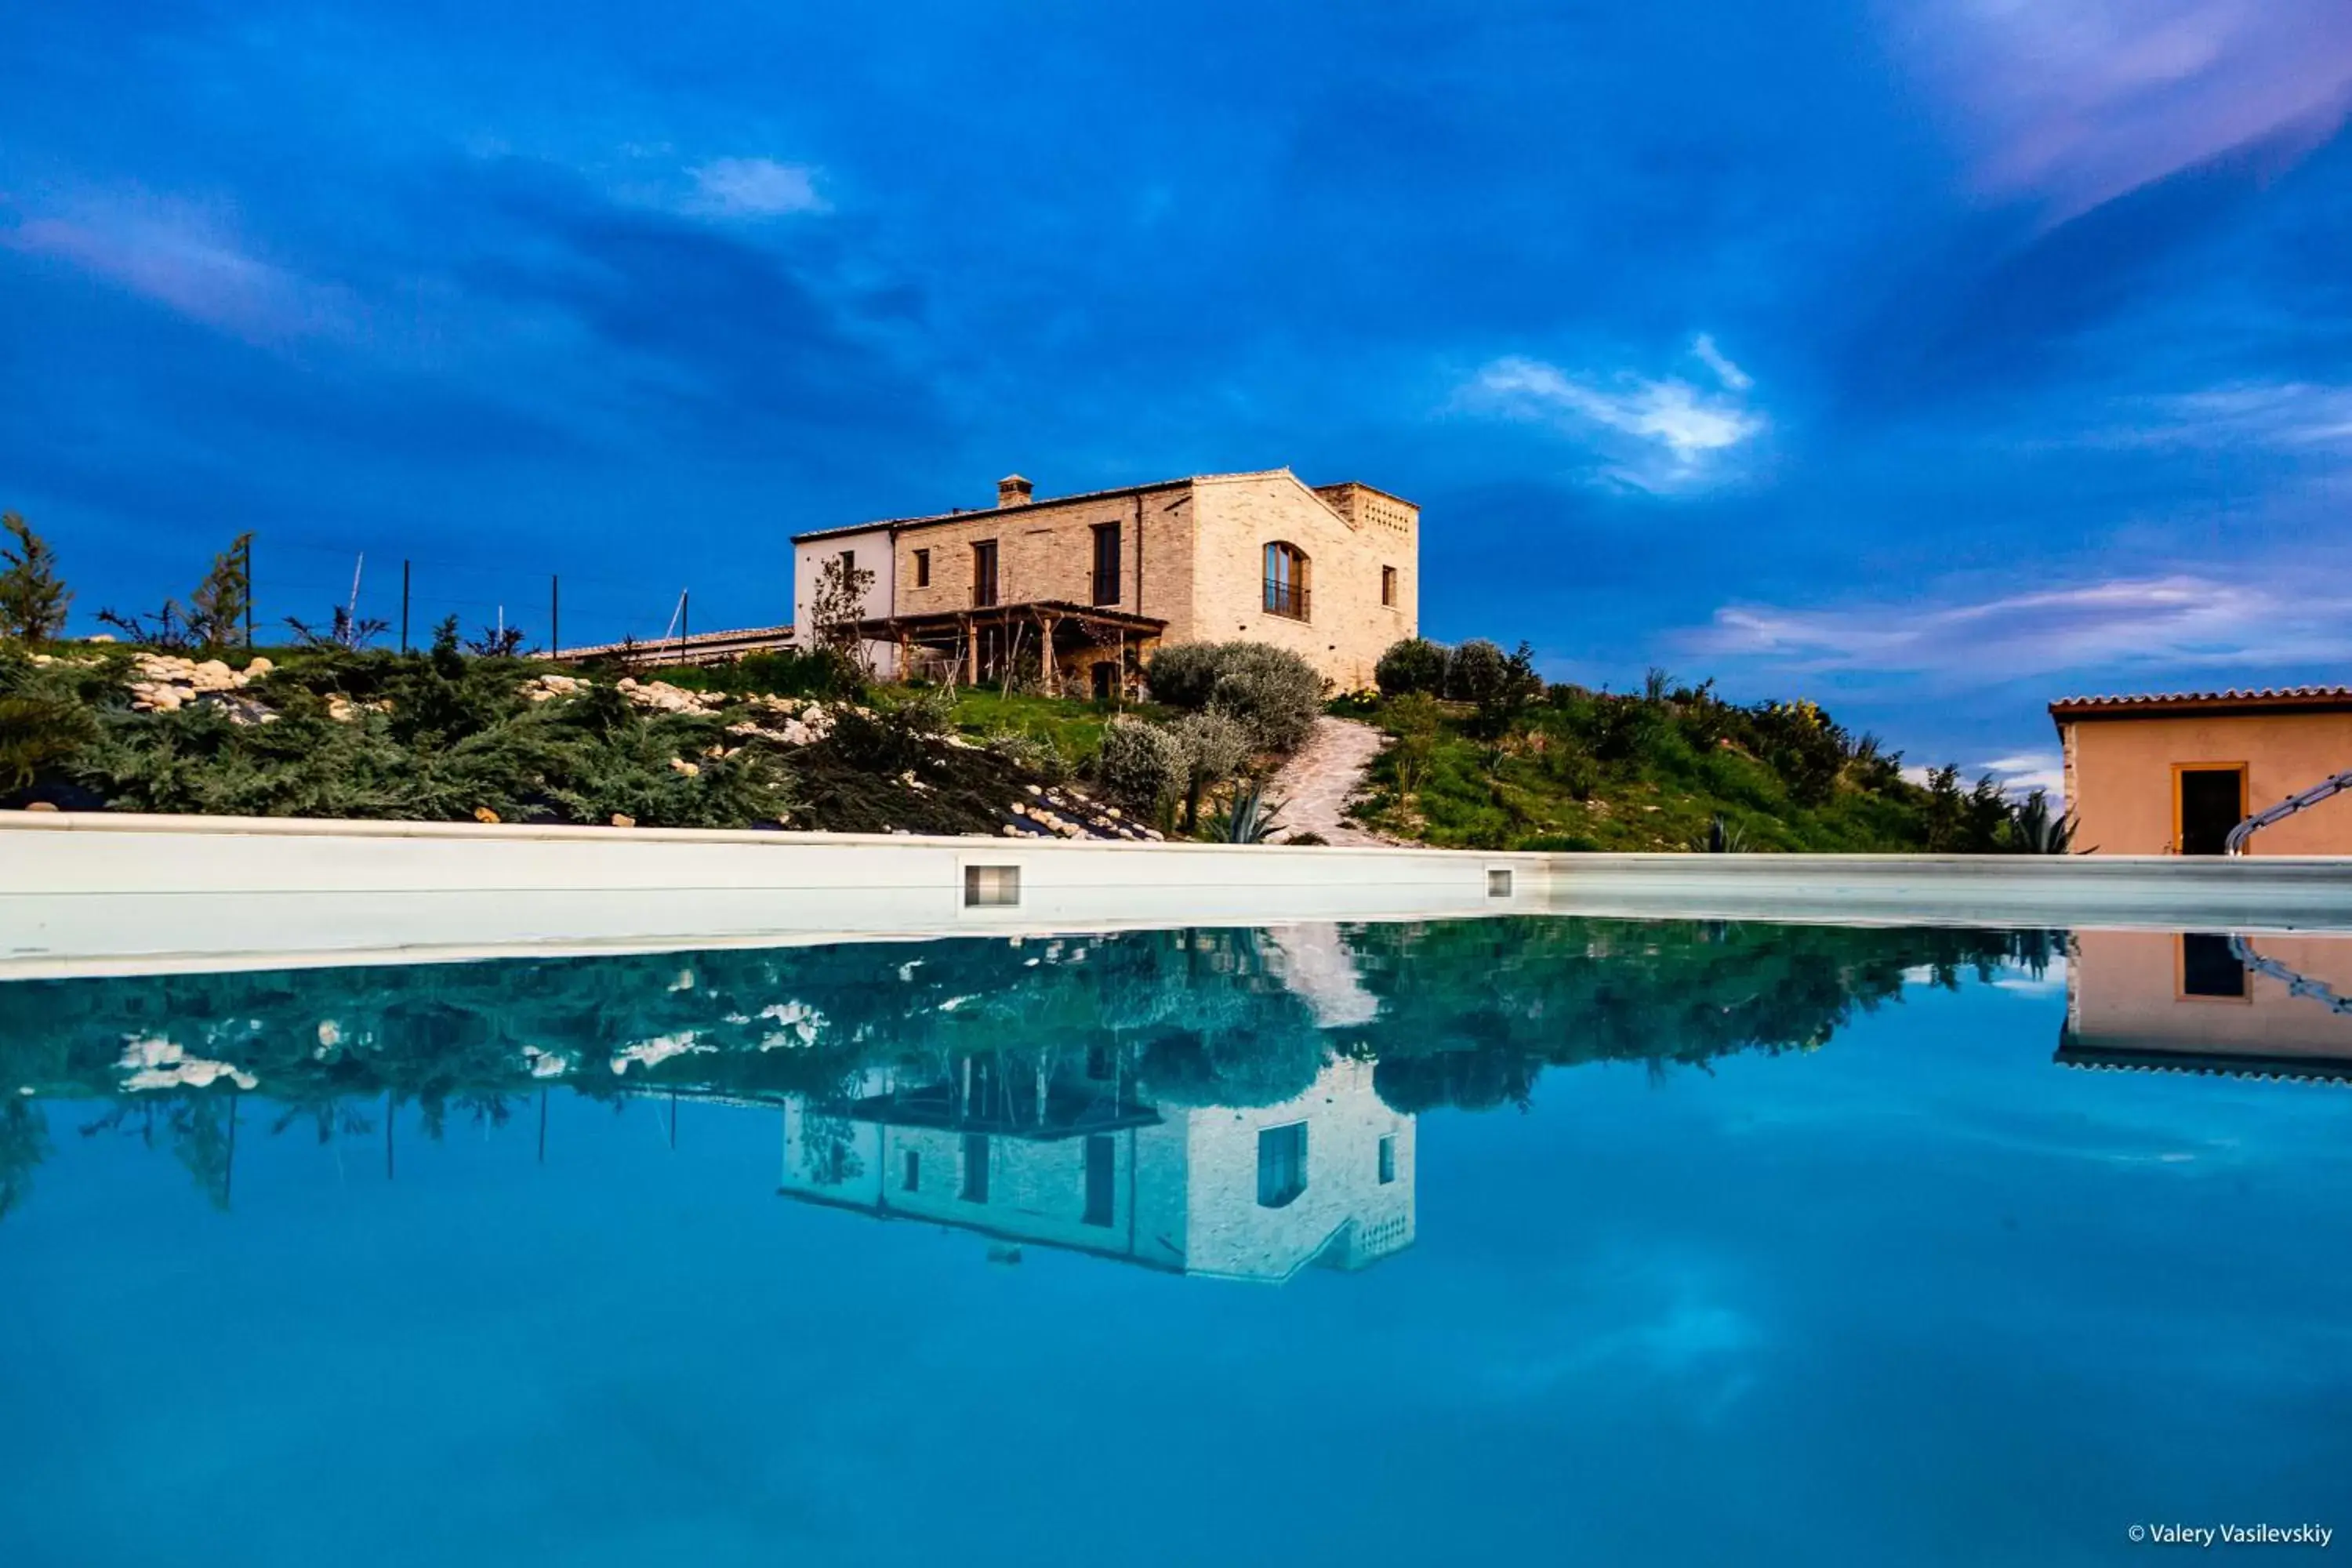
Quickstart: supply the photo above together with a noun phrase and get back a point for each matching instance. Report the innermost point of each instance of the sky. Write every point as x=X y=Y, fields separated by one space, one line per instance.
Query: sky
x=1926 y=358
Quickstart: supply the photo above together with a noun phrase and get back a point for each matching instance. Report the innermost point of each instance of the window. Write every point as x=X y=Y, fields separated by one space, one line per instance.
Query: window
x=1098 y=1061
x=991 y=886
x=975 y=1168
x=983 y=573
x=1102 y=1164
x=1106 y=563
x=2209 y=969
x=1388 y=585
x=1388 y=1159
x=911 y=1174
x=848 y=567
x=922 y=568
x=1281 y=1165
x=1106 y=678
x=1286 y=581
x=1498 y=882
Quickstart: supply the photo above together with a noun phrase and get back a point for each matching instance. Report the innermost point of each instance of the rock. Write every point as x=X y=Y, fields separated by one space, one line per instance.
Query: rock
x=680 y=766
x=484 y=813
x=1010 y=831
x=40 y=805
x=258 y=666
x=100 y=636
x=1018 y=809
x=215 y=675
x=621 y=819
x=1112 y=812
x=1033 y=789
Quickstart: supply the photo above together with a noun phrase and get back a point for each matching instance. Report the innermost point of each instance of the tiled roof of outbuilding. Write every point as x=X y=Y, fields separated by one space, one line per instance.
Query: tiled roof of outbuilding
x=2265 y=698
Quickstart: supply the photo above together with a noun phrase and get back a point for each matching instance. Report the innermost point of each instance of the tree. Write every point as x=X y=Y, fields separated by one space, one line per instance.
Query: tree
x=223 y=602
x=33 y=599
x=838 y=604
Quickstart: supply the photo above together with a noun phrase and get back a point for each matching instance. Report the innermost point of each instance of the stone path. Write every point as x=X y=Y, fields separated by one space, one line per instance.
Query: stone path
x=1316 y=784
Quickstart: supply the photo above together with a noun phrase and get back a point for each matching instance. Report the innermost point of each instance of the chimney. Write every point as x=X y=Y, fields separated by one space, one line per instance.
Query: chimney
x=1012 y=491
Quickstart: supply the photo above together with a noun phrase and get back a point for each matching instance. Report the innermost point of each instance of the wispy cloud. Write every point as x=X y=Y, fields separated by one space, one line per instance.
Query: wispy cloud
x=1658 y=433
x=753 y=187
x=2280 y=414
x=2077 y=100
x=2120 y=623
x=188 y=259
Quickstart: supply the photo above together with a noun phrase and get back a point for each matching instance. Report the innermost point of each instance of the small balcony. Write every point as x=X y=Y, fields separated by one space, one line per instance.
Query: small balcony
x=1286 y=599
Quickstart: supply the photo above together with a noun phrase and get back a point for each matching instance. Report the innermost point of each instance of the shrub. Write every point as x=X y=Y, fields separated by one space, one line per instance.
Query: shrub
x=1185 y=675
x=1411 y=665
x=1211 y=748
x=1476 y=671
x=1271 y=693
x=1140 y=765
x=892 y=736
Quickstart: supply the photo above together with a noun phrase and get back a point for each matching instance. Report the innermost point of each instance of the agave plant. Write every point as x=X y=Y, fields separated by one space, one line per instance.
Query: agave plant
x=2037 y=832
x=1252 y=817
x=1721 y=837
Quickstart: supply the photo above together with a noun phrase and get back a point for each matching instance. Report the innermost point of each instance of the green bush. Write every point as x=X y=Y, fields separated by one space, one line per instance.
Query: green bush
x=1271 y=693
x=1185 y=675
x=1140 y=766
x=1476 y=671
x=1411 y=665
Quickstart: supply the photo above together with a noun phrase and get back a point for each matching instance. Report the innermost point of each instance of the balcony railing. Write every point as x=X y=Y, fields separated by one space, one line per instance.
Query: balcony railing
x=1286 y=599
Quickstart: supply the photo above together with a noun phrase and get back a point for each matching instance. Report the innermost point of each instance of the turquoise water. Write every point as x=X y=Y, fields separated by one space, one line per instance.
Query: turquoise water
x=1515 y=1240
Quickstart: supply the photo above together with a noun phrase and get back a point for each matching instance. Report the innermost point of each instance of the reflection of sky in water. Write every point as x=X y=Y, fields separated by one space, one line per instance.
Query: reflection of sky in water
x=1917 y=1296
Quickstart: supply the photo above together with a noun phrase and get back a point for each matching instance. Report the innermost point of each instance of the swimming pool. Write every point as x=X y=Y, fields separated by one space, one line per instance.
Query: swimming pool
x=1530 y=1238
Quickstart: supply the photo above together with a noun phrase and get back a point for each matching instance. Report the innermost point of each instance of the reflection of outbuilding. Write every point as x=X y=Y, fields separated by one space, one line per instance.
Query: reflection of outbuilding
x=1072 y=1158
x=2194 y=1003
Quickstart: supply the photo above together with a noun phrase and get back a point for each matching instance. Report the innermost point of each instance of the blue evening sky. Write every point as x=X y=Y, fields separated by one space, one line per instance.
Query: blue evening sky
x=1929 y=358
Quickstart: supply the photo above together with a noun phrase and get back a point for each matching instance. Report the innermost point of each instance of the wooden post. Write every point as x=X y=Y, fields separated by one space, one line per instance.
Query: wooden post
x=971 y=653
x=1047 y=668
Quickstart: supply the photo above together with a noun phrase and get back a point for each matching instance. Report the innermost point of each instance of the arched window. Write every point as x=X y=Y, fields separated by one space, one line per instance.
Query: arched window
x=1286 y=581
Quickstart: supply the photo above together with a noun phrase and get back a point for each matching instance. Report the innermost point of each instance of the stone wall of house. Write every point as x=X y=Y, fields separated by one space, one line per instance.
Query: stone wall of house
x=1348 y=537
x=1046 y=550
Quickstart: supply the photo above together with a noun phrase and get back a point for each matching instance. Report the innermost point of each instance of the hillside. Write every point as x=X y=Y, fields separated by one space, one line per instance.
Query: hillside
x=1562 y=767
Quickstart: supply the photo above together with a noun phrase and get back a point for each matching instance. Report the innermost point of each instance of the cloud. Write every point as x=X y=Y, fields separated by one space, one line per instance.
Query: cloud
x=2075 y=101
x=2288 y=415
x=186 y=259
x=1661 y=434
x=1730 y=374
x=2117 y=625
x=753 y=187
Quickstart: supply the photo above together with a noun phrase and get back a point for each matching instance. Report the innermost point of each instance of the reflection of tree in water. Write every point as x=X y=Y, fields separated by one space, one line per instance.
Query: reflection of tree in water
x=829 y=1150
x=24 y=1144
x=1472 y=1011
x=1469 y=1014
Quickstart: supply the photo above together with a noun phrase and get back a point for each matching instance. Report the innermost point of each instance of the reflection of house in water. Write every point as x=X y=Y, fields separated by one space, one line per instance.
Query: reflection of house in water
x=1073 y=1158
x=2191 y=1004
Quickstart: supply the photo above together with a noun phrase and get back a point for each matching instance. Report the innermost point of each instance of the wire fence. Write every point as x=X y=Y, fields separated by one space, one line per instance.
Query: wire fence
x=400 y=598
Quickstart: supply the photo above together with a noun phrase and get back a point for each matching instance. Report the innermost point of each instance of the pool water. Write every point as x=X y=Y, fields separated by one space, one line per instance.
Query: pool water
x=1512 y=1240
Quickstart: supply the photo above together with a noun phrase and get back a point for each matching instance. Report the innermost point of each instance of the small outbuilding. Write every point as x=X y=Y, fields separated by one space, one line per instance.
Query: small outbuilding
x=2172 y=773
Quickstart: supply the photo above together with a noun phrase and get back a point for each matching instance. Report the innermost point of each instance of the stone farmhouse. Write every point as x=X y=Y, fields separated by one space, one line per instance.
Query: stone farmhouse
x=1082 y=587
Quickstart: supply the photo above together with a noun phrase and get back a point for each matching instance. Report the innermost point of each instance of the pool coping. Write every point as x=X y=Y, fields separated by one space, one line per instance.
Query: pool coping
x=88 y=893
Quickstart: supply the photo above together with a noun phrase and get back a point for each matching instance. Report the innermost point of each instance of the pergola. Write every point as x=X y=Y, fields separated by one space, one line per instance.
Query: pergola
x=980 y=640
